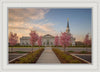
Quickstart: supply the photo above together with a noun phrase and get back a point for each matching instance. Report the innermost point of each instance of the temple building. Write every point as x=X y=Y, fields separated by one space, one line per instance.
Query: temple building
x=47 y=40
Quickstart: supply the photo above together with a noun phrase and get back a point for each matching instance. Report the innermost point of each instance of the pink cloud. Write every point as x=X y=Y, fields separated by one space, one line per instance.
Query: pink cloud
x=22 y=14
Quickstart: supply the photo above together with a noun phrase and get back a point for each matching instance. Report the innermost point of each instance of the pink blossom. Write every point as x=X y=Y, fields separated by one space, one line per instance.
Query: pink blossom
x=13 y=39
x=56 y=42
x=65 y=40
x=87 y=41
x=33 y=37
x=40 y=41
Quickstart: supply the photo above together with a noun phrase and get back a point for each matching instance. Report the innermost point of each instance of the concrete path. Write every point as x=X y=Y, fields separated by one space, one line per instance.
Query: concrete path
x=48 y=57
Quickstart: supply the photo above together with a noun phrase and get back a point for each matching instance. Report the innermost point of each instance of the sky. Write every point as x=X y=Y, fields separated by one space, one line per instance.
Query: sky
x=50 y=21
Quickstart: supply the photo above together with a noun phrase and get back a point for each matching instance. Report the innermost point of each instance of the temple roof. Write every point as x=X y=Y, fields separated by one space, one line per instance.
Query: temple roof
x=47 y=35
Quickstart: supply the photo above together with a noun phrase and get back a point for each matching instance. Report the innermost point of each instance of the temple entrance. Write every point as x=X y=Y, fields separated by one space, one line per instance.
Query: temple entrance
x=47 y=43
x=48 y=40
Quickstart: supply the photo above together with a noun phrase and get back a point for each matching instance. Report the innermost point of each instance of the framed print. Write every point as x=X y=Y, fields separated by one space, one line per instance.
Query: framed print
x=49 y=36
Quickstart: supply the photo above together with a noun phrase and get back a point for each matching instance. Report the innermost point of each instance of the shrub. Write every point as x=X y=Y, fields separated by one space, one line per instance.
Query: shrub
x=65 y=58
x=70 y=51
x=83 y=52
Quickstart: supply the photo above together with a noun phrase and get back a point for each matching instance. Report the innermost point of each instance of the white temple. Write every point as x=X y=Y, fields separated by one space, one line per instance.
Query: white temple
x=47 y=40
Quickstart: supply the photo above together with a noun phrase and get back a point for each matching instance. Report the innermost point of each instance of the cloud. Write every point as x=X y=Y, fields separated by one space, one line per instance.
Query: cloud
x=45 y=27
x=42 y=29
x=25 y=14
x=17 y=27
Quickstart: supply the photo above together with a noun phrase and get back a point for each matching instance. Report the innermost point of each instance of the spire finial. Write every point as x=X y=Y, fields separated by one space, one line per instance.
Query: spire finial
x=67 y=19
x=67 y=29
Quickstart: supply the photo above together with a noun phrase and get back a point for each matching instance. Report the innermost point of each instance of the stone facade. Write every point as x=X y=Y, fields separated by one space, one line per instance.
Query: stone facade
x=47 y=40
x=25 y=41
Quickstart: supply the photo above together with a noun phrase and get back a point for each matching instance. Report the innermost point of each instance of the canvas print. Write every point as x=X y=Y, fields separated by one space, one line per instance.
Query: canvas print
x=49 y=35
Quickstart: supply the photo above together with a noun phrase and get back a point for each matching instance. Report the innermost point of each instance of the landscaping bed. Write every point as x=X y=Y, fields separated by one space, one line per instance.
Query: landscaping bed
x=31 y=57
x=81 y=52
x=66 y=57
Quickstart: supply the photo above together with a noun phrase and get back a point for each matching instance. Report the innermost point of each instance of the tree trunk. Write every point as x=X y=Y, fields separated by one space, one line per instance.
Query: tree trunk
x=86 y=48
x=64 y=49
x=32 y=49
x=11 y=49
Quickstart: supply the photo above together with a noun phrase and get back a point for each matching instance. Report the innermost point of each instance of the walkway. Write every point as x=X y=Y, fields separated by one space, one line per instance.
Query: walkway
x=48 y=56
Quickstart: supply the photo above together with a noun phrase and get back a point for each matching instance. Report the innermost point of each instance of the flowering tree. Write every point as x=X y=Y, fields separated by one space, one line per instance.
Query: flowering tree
x=56 y=42
x=65 y=40
x=87 y=41
x=40 y=41
x=33 y=38
x=13 y=38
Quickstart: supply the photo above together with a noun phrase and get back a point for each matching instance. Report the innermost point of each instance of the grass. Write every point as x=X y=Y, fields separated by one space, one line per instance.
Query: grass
x=19 y=52
x=65 y=58
x=30 y=58
x=75 y=46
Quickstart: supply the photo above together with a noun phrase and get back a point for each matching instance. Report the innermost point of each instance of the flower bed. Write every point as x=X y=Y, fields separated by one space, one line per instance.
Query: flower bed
x=66 y=58
x=30 y=58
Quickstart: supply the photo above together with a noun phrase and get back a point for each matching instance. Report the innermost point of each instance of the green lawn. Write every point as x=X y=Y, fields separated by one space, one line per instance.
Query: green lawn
x=19 y=52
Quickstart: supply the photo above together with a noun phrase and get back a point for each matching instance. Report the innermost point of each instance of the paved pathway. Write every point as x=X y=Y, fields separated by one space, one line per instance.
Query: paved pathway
x=48 y=57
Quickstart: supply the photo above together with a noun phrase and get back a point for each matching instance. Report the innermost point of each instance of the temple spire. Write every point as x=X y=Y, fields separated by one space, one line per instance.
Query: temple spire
x=68 y=22
x=67 y=30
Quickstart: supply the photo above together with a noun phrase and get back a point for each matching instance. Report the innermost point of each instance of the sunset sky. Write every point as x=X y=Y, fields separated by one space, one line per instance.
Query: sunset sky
x=50 y=21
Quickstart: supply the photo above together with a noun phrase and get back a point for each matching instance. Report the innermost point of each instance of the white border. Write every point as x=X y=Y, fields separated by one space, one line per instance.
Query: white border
x=7 y=66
